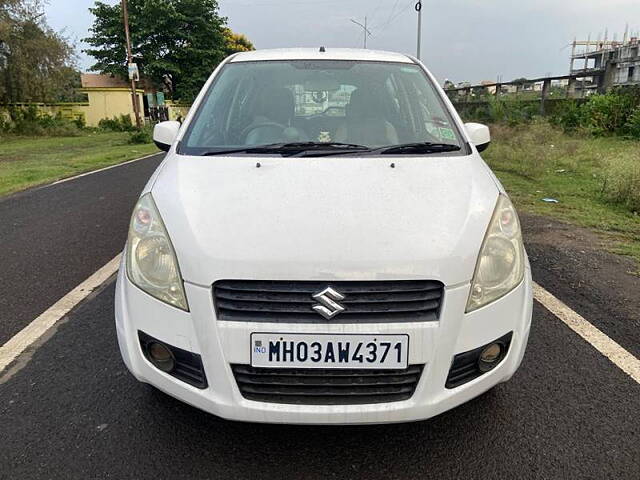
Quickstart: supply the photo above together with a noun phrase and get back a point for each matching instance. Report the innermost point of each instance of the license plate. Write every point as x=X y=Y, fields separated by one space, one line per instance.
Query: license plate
x=329 y=350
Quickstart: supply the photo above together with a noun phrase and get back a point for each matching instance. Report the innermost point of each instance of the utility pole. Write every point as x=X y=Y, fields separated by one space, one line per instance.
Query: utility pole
x=418 y=8
x=134 y=95
x=365 y=31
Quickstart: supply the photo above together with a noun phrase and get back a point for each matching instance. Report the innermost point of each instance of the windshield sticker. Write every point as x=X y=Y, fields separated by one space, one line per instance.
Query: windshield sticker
x=446 y=133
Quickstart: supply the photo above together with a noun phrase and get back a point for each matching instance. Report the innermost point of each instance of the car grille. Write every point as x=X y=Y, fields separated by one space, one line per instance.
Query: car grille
x=292 y=301
x=310 y=386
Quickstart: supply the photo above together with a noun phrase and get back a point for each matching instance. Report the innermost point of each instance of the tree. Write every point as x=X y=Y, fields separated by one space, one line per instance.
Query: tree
x=236 y=42
x=35 y=61
x=185 y=39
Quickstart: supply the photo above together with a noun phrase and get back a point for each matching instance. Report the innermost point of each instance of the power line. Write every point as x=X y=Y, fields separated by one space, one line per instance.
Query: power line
x=393 y=9
x=375 y=10
x=392 y=19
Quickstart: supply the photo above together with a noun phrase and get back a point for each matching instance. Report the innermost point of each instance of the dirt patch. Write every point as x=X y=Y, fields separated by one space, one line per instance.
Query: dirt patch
x=573 y=264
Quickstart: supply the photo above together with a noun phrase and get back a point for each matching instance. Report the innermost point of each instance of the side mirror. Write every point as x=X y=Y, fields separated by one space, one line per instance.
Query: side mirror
x=165 y=133
x=479 y=135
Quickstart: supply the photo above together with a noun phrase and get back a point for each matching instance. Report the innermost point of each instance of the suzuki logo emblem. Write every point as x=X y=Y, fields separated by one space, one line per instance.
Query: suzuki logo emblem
x=329 y=306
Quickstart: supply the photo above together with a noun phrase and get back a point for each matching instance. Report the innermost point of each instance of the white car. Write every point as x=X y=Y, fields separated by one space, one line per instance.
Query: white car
x=323 y=244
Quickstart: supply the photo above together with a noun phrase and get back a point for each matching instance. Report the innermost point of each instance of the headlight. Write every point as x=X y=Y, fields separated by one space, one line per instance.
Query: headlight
x=500 y=266
x=151 y=262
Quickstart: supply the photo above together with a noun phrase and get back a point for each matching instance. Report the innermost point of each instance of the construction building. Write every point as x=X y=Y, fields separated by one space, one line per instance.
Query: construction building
x=607 y=63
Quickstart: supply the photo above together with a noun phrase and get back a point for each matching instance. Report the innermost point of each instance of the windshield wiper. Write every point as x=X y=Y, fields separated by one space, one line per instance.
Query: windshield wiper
x=326 y=146
x=418 y=147
x=290 y=148
x=329 y=148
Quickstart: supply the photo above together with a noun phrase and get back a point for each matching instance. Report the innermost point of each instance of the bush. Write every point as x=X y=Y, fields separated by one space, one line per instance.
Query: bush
x=621 y=183
x=513 y=111
x=607 y=114
x=144 y=135
x=632 y=127
x=30 y=122
x=613 y=113
x=117 y=124
x=504 y=110
x=80 y=122
x=24 y=121
x=570 y=118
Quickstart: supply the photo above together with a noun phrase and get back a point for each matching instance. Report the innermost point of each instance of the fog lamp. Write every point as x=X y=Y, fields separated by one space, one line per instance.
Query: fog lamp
x=490 y=356
x=161 y=356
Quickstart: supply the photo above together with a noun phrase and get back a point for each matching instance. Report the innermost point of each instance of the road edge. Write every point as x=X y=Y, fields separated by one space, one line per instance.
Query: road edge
x=34 y=188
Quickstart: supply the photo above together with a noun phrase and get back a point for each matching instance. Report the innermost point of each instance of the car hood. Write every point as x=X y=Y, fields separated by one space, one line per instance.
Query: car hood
x=340 y=218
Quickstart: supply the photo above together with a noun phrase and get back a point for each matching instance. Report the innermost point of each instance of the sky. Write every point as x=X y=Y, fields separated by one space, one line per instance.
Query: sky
x=463 y=40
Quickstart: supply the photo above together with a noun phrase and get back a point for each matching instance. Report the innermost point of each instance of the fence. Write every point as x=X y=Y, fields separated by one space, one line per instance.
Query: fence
x=481 y=109
x=543 y=95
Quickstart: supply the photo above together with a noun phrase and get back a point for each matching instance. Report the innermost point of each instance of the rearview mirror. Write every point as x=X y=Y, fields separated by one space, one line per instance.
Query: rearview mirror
x=321 y=83
x=165 y=133
x=479 y=135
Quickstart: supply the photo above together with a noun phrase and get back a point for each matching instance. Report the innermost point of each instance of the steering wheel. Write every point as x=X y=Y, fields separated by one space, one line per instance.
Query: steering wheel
x=245 y=133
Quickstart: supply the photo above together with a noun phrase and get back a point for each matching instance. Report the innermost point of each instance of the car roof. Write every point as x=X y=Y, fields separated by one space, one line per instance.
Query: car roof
x=357 y=54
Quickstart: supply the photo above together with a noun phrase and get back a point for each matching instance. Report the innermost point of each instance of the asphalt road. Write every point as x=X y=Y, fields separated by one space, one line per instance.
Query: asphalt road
x=73 y=411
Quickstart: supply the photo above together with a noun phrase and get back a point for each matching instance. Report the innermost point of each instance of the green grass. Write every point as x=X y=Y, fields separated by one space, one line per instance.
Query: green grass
x=595 y=180
x=29 y=161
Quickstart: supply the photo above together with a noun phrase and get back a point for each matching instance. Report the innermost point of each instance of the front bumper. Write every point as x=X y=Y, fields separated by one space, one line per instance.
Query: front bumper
x=222 y=343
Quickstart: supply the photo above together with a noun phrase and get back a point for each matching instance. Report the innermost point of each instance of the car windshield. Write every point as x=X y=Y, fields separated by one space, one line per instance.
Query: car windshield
x=321 y=105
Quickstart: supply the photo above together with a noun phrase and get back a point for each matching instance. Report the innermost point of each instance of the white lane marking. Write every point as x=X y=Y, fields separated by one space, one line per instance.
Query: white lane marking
x=598 y=340
x=38 y=327
x=91 y=172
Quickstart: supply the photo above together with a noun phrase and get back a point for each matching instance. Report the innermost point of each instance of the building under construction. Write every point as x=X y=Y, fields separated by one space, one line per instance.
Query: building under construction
x=609 y=63
x=596 y=67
